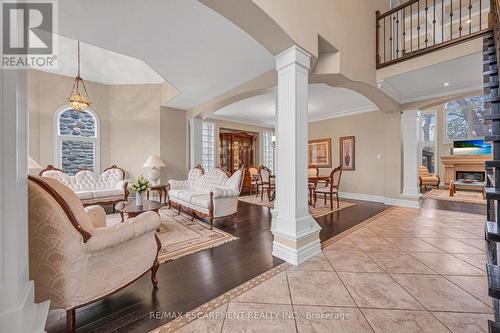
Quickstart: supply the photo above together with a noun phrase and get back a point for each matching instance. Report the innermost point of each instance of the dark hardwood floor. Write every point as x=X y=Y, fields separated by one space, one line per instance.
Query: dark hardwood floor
x=191 y=281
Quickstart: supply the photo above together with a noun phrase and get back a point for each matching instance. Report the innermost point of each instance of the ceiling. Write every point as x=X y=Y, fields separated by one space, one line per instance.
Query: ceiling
x=324 y=102
x=197 y=50
x=101 y=65
x=462 y=75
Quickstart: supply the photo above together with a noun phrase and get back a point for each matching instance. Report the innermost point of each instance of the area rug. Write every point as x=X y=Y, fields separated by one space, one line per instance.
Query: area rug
x=460 y=196
x=318 y=211
x=180 y=236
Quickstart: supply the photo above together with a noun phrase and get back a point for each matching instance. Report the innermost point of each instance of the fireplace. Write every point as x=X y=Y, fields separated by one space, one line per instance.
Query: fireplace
x=470 y=175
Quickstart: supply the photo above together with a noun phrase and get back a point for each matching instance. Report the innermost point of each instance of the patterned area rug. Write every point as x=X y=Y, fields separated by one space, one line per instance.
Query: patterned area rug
x=460 y=196
x=180 y=236
x=318 y=211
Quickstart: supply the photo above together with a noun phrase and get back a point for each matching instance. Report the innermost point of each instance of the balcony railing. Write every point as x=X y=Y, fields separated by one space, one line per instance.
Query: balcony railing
x=422 y=26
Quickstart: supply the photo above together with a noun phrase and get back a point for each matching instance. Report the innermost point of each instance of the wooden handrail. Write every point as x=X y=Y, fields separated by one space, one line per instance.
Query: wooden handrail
x=438 y=24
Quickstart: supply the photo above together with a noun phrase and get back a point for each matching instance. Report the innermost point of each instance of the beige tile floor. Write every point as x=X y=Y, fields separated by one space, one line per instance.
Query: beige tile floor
x=409 y=270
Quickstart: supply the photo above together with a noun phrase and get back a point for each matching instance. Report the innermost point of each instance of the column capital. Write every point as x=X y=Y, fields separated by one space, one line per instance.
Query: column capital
x=293 y=55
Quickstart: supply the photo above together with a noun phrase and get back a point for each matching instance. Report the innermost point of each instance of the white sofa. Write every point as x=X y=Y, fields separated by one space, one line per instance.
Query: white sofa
x=212 y=194
x=109 y=187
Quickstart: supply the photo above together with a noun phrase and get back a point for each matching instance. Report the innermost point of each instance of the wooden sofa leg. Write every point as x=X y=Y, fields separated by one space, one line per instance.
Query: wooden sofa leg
x=156 y=264
x=211 y=219
x=70 y=320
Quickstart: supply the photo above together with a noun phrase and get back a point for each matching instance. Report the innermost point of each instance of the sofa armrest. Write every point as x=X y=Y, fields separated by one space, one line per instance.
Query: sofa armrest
x=97 y=215
x=103 y=238
x=178 y=184
x=121 y=185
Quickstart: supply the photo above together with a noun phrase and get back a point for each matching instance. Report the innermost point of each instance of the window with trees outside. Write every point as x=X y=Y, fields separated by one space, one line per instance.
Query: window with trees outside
x=464 y=119
x=428 y=139
x=77 y=140
x=207 y=145
x=267 y=149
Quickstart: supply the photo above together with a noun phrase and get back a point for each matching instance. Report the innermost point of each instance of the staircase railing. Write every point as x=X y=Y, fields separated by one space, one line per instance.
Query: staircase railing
x=422 y=26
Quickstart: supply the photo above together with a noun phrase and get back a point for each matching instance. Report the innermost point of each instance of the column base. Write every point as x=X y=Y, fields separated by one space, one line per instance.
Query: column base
x=27 y=317
x=296 y=249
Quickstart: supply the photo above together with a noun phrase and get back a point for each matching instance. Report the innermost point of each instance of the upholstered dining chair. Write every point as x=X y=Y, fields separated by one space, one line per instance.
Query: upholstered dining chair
x=267 y=183
x=255 y=179
x=74 y=258
x=331 y=188
x=312 y=172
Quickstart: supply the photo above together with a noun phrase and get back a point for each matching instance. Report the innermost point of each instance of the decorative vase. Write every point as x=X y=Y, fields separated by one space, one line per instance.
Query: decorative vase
x=138 y=199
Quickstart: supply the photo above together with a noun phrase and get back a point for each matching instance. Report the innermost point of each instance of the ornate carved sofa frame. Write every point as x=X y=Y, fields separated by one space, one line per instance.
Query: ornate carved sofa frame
x=207 y=195
x=108 y=188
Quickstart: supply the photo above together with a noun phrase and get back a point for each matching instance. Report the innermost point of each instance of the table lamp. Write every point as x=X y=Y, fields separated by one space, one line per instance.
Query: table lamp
x=155 y=163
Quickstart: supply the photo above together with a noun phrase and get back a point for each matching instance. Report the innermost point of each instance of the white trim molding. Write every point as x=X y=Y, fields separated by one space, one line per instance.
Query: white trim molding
x=18 y=310
x=413 y=203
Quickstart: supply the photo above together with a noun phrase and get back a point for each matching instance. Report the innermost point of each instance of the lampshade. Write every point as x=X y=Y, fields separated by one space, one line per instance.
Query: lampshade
x=154 y=161
x=32 y=164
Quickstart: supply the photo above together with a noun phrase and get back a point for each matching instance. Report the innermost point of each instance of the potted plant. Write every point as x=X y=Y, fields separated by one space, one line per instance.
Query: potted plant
x=139 y=186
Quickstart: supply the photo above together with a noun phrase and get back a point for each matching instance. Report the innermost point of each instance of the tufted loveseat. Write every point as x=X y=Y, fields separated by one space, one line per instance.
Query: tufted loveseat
x=212 y=194
x=107 y=188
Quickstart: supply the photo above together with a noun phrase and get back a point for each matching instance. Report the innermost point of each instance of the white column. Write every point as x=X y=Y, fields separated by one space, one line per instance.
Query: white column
x=296 y=233
x=18 y=312
x=410 y=120
x=274 y=211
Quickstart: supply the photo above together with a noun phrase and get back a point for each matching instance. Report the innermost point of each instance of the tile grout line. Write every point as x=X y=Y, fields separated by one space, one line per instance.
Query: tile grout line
x=291 y=301
x=350 y=295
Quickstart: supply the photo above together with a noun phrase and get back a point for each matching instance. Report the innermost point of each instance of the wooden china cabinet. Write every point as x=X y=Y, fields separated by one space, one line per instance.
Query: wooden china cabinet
x=237 y=151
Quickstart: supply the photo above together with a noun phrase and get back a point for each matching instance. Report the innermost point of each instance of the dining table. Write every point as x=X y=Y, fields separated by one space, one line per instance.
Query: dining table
x=311 y=180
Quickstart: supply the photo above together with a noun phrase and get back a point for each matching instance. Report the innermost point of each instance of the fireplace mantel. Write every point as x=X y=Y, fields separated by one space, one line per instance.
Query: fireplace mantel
x=454 y=163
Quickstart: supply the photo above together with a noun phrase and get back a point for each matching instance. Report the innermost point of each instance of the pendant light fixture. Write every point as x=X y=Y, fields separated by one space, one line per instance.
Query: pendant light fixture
x=78 y=101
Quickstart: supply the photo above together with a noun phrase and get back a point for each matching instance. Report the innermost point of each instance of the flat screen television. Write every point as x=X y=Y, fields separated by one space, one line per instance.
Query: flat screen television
x=471 y=147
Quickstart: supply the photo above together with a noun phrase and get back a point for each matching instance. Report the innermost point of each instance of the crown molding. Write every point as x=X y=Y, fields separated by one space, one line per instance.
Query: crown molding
x=344 y=113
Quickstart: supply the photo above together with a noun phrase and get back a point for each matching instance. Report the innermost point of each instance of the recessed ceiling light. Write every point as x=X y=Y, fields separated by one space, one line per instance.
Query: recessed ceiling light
x=446 y=84
x=468 y=21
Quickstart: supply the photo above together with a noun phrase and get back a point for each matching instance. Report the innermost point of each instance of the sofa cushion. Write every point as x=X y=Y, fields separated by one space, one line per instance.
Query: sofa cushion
x=201 y=200
x=84 y=195
x=176 y=193
x=106 y=193
x=187 y=195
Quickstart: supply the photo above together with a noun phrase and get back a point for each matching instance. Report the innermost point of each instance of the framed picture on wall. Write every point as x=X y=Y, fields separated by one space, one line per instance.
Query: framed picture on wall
x=320 y=153
x=347 y=152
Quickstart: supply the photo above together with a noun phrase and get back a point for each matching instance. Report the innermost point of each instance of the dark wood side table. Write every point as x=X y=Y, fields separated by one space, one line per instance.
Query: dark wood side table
x=162 y=189
x=132 y=210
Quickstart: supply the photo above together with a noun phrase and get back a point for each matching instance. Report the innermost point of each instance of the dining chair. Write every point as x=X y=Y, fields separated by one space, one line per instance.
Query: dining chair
x=331 y=188
x=255 y=179
x=267 y=184
x=312 y=172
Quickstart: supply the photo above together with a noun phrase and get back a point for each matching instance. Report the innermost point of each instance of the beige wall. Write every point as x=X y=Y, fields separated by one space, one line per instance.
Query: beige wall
x=131 y=126
x=135 y=125
x=369 y=129
x=173 y=145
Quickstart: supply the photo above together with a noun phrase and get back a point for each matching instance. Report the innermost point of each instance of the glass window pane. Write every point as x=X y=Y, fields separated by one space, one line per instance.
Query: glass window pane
x=428 y=158
x=77 y=155
x=457 y=124
x=428 y=121
x=76 y=123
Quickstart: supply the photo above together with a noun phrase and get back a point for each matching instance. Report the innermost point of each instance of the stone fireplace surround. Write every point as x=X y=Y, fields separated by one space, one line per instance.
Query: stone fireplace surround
x=462 y=163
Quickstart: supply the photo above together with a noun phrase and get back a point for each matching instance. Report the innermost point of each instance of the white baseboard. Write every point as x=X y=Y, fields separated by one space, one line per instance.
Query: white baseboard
x=363 y=197
x=381 y=199
x=296 y=256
